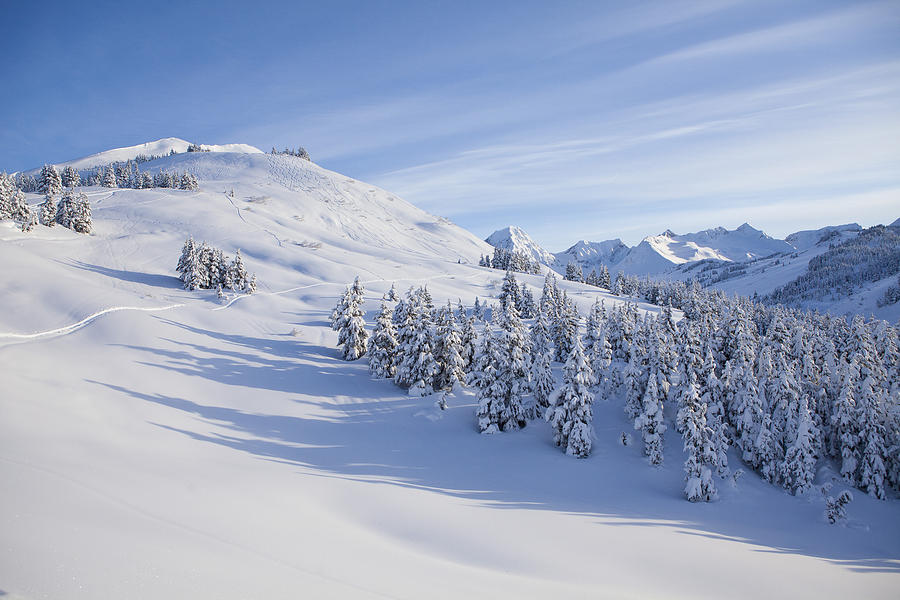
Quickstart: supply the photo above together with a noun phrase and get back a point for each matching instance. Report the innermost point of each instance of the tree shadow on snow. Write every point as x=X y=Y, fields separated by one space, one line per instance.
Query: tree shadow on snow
x=152 y=279
x=370 y=431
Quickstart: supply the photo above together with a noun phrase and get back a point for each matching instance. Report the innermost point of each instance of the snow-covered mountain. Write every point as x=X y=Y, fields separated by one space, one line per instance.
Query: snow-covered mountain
x=654 y=254
x=513 y=239
x=157 y=148
x=590 y=254
x=158 y=442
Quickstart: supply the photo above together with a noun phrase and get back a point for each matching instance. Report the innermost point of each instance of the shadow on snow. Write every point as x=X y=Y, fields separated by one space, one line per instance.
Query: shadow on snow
x=369 y=431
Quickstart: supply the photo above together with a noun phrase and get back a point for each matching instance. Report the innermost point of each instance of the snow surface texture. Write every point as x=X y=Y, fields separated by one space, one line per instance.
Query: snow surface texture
x=156 y=442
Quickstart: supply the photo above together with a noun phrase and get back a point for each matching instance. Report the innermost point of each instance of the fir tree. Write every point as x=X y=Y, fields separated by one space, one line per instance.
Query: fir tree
x=47 y=211
x=417 y=367
x=50 y=182
x=571 y=414
x=543 y=382
x=352 y=336
x=650 y=422
x=383 y=345
x=799 y=467
x=70 y=177
x=701 y=457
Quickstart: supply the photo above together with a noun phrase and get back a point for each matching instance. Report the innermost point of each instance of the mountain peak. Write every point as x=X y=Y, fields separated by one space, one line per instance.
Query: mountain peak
x=515 y=239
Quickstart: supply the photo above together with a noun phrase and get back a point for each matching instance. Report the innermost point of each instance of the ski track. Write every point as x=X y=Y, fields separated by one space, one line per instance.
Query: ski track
x=60 y=331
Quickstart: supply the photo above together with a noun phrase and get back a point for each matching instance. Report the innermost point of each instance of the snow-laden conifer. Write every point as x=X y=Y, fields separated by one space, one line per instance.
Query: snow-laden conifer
x=799 y=467
x=571 y=413
x=416 y=366
x=701 y=458
x=383 y=344
x=650 y=422
x=543 y=383
x=352 y=335
x=50 y=183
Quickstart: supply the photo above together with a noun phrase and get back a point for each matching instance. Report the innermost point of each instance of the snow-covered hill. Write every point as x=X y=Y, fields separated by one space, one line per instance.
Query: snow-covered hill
x=158 y=148
x=156 y=442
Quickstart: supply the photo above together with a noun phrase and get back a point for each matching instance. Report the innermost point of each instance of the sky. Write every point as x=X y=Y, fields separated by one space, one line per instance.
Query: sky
x=572 y=120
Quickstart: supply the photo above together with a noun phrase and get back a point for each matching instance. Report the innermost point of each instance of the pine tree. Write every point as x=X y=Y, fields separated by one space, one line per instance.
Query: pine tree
x=81 y=220
x=543 y=382
x=571 y=413
x=391 y=294
x=701 y=457
x=50 y=181
x=509 y=291
x=448 y=351
x=47 y=211
x=527 y=307
x=846 y=425
x=237 y=273
x=352 y=336
x=108 y=179
x=383 y=345
x=836 y=508
x=513 y=376
x=70 y=177
x=468 y=342
x=799 y=467
x=491 y=413
x=565 y=328
x=603 y=279
x=650 y=422
x=417 y=367
x=872 y=472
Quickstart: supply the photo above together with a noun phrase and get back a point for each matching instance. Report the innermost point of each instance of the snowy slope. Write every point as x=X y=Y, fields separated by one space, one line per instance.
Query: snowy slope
x=514 y=239
x=155 y=442
x=158 y=148
x=804 y=240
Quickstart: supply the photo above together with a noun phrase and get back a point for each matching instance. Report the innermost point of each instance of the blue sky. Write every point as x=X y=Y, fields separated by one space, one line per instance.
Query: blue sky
x=573 y=120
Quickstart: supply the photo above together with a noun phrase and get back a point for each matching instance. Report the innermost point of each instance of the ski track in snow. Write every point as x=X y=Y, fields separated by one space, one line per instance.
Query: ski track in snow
x=241 y=215
x=60 y=331
x=82 y=323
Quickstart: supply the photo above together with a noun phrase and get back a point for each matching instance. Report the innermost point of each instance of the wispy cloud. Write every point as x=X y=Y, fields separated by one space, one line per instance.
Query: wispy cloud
x=797 y=139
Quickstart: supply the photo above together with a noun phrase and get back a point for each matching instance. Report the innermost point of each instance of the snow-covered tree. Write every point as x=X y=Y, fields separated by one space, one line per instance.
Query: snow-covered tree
x=383 y=345
x=70 y=177
x=846 y=424
x=799 y=467
x=449 y=351
x=108 y=178
x=836 y=508
x=701 y=457
x=571 y=414
x=501 y=408
x=542 y=381
x=50 y=183
x=352 y=335
x=47 y=211
x=650 y=422
x=416 y=367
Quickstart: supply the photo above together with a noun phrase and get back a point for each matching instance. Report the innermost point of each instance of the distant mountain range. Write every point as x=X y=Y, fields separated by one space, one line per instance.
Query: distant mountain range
x=744 y=261
x=660 y=253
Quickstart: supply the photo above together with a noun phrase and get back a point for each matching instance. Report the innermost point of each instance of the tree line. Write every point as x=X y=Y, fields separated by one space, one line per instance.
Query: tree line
x=786 y=389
